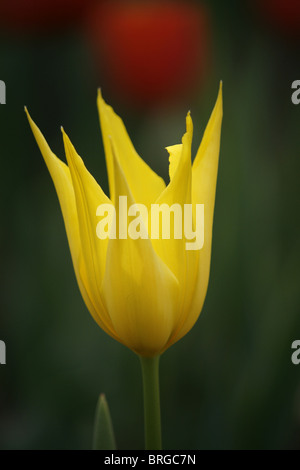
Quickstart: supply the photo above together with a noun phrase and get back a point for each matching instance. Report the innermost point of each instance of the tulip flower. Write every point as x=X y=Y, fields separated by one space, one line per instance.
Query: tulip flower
x=146 y=292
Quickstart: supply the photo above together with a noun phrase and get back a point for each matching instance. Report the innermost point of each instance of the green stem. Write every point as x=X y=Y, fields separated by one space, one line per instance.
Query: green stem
x=150 y=367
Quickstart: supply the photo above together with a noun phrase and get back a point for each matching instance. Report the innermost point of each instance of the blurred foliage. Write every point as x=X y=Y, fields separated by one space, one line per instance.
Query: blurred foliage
x=230 y=382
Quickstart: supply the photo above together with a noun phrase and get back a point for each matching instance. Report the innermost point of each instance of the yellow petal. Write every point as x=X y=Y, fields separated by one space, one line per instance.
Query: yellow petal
x=143 y=182
x=88 y=196
x=178 y=191
x=61 y=177
x=140 y=291
x=204 y=179
x=173 y=252
x=175 y=152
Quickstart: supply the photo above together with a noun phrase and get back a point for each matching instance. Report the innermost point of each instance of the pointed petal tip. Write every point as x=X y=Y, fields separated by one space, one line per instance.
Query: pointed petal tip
x=101 y=104
x=66 y=138
x=188 y=116
x=27 y=113
x=31 y=122
x=189 y=122
x=219 y=102
x=67 y=142
x=220 y=93
x=100 y=99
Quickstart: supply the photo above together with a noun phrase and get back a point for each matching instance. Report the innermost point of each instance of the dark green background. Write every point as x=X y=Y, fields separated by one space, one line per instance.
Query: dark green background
x=230 y=382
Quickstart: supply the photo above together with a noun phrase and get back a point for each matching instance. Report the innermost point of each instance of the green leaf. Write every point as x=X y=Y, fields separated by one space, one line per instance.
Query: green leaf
x=104 y=438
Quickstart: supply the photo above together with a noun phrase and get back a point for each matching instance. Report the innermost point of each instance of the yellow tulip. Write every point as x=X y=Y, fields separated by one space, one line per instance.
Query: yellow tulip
x=146 y=293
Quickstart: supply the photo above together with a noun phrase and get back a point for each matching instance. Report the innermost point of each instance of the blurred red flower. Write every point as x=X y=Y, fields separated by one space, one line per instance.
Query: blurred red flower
x=40 y=15
x=283 y=15
x=151 y=52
